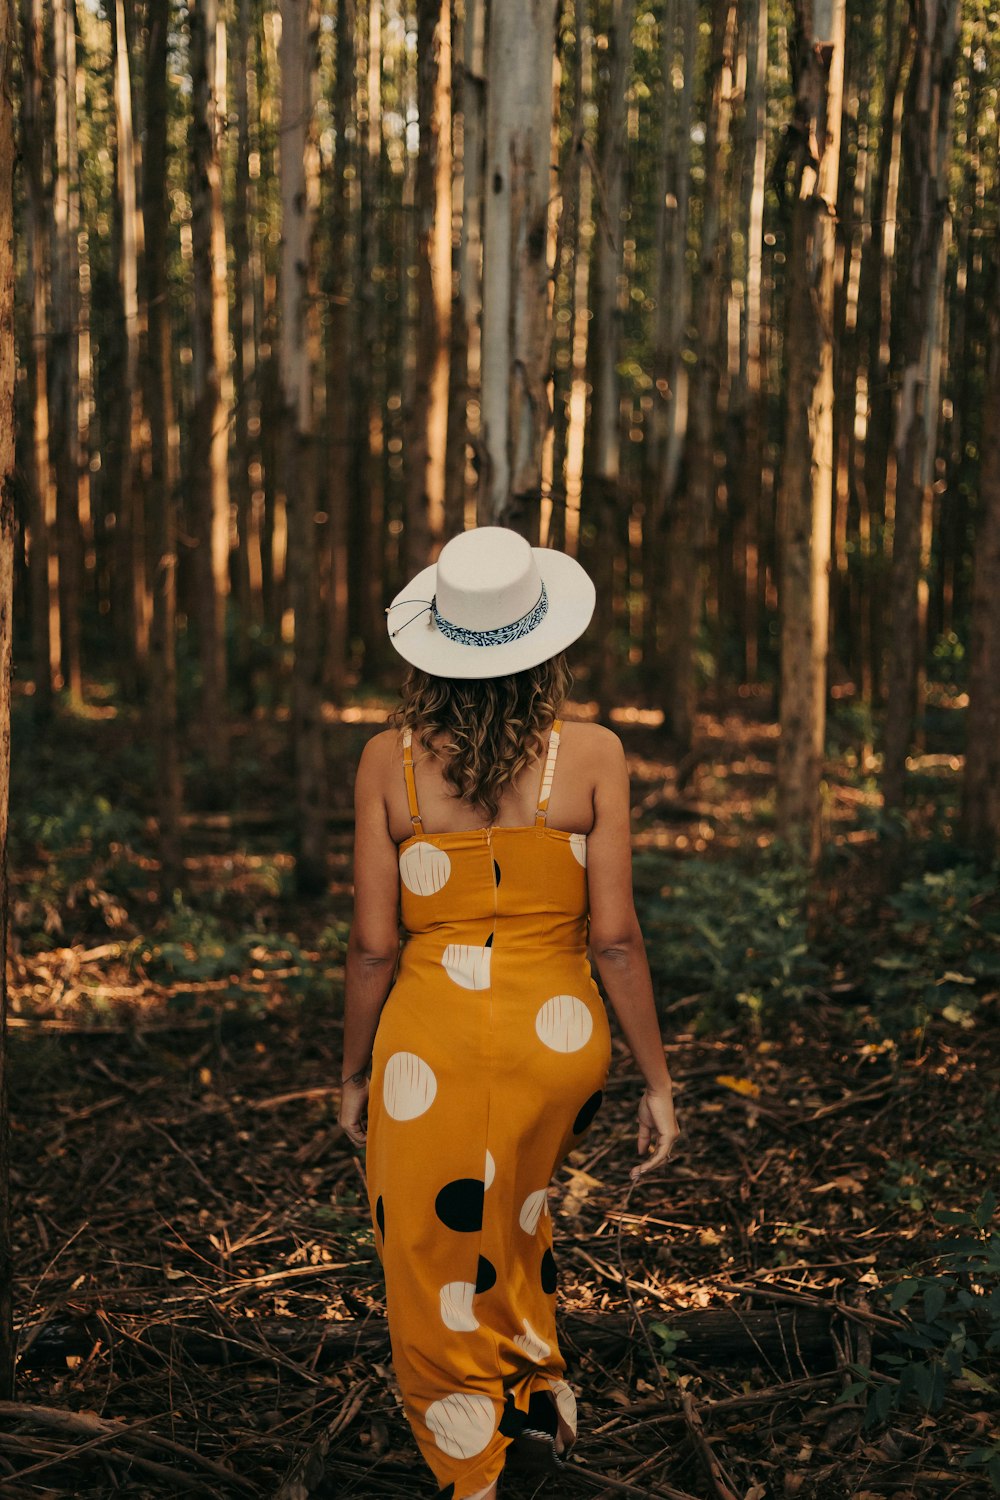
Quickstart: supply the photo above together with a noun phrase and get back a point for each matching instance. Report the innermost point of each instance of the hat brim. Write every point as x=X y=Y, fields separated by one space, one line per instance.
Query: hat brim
x=572 y=597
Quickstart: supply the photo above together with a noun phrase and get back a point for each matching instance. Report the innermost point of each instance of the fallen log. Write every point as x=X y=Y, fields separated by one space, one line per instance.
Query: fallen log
x=794 y=1340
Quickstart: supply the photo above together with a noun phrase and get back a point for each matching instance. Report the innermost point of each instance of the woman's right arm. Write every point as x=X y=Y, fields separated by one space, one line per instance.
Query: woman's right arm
x=619 y=951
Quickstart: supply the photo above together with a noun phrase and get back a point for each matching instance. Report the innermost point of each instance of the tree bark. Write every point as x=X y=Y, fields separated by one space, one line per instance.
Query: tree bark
x=806 y=499
x=164 y=451
x=516 y=322
x=43 y=576
x=299 y=349
x=668 y=417
x=927 y=156
x=602 y=516
x=208 y=483
x=246 y=395
x=65 y=374
x=8 y=535
x=981 y=789
x=340 y=391
x=428 y=415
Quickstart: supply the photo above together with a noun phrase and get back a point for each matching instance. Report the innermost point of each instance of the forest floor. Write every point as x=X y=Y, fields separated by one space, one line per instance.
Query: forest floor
x=196 y=1277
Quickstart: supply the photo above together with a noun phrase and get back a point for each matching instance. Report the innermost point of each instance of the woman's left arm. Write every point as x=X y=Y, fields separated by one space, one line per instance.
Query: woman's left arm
x=373 y=945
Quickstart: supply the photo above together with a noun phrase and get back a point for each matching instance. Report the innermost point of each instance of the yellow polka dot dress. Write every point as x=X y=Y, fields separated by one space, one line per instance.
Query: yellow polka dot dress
x=490 y=1058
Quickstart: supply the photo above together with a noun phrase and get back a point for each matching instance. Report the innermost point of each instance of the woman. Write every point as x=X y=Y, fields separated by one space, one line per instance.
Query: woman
x=482 y=1057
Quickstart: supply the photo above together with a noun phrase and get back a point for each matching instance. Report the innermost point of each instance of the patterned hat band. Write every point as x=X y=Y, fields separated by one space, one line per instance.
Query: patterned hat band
x=498 y=637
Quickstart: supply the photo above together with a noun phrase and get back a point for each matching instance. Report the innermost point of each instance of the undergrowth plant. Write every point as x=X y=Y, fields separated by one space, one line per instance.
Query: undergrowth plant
x=950 y=1307
x=735 y=936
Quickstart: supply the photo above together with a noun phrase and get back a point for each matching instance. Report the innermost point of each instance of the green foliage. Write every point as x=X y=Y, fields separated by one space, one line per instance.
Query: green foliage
x=734 y=935
x=943 y=955
x=669 y=1340
x=76 y=852
x=191 y=944
x=950 y=1307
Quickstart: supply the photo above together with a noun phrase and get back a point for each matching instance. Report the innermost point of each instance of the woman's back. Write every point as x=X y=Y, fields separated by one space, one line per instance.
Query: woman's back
x=582 y=750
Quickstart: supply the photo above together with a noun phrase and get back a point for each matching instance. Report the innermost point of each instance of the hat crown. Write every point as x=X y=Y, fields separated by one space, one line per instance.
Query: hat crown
x=486 y=578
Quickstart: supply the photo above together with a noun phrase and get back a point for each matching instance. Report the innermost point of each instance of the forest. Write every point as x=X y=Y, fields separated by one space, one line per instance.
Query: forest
x=705 y=293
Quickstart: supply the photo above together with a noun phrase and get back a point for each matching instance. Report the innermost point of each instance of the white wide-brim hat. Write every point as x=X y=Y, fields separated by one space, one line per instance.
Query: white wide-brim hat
x=492 y=604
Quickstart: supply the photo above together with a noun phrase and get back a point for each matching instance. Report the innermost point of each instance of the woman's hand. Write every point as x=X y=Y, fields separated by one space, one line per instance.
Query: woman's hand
x=656 y=1120
x=353 y=1102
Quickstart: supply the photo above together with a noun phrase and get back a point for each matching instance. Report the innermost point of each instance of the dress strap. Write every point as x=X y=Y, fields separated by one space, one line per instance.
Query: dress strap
x=411 y=785
x=547 y=774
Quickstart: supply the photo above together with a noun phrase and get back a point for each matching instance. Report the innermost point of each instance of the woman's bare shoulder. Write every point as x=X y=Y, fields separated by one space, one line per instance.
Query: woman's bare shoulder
x=378 y=750
x=595 y=739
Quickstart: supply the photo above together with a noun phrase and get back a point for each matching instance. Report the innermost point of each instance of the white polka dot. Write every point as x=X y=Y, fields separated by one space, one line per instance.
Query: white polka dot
x=490 y=1170
x=462 y=1424
x=424 y=869
x=565 y=1401
x=531 y=1344
x=578 y=844
x=532 y=1209
x=408 y=1086
x=456 y=1306
x=467 y=965
x=564 y=1023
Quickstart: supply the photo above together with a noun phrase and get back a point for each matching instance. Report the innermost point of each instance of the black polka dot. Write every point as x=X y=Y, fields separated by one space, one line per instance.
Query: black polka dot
x=459 y=1204
x=513 y=1421
x=380 y=1215
x=486 y=1274
x=496 y=872
x=587 y=1112
x=548 y=1272
x=489 y=941
x=448 y=1493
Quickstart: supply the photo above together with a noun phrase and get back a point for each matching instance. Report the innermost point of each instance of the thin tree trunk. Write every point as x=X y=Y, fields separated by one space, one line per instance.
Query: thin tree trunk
x=8 y=535
x=428 y=413
x=695 y=504
x=927 y=148
x=299 y=349
x=65 y=344
x=246 y=396
x=602 y=461
x=807 y=479
x=469 y=103
x=164 y=451
x=340 y=392
x=516 y=315
x=43 y=576
x=566 y=264
x=208 y=481
x=981 y=789
x=668 y=424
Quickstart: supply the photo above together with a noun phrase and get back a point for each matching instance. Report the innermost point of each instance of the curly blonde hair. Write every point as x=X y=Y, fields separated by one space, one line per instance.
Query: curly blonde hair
x=493 y=725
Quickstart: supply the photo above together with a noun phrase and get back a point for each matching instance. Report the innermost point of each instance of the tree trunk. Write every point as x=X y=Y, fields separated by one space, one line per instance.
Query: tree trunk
x=603 y=515
x=43 y=577
x=65 y=344
x=516 y=320
x=927 y=158
x=428 y=414
x=8 y=534
x=340 y=393
x=981 y=789
x=806 y=499
x=751 y=414
x=164 y=451
x=299 y=348
x=566 y=266
x=246 y=395
x=668 y=418
x=208 y=483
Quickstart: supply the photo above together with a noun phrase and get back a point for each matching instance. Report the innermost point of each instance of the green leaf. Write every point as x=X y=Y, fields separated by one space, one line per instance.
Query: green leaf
x=935 y=1297
x=902 y=1293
